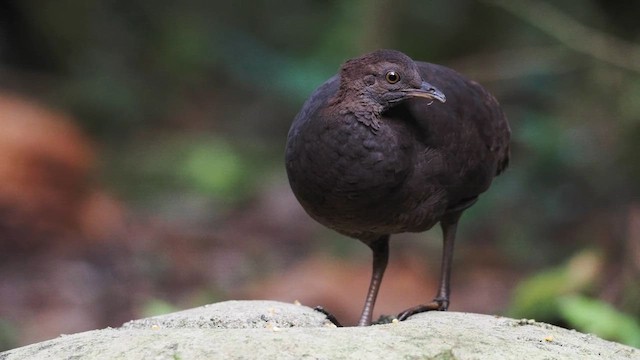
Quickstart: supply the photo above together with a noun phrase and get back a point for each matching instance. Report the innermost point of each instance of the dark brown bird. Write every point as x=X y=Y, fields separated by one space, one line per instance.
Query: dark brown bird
x=392 y=145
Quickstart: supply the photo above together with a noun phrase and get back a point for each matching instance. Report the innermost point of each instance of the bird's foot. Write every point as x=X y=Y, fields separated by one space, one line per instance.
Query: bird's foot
x=438 y=304
x=329 y=315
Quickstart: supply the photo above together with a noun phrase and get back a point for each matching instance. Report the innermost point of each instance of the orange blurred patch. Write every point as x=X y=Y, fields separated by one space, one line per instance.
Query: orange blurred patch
x=46 y=170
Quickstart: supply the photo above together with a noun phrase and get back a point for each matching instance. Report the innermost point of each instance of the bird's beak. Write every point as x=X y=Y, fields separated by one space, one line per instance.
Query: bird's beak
x=426 y=91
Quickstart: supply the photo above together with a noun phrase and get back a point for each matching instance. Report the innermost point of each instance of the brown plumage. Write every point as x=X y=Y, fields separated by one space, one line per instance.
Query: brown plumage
x=392 y=145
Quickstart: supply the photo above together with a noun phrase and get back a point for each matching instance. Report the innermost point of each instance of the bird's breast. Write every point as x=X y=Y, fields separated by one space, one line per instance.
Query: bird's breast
x=344 y=170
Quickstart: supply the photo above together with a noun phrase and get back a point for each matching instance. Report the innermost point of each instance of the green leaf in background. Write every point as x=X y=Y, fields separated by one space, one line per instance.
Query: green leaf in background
x=213 y=167
x=155 y=307
x=537 y=296
x=597 y=317
x=8 y=335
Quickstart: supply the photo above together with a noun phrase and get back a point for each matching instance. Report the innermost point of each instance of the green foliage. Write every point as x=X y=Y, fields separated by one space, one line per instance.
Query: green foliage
x=155 y=307
x=213 y=168
x=557 y=295
x=8 y=335
x=597 y=317
x=204 y=165
x=537 y=297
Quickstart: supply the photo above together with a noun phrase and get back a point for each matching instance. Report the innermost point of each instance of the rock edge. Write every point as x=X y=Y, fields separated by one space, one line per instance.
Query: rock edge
x=270 y=330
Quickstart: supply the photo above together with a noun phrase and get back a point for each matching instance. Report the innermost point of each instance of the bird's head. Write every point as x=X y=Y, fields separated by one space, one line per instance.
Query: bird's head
x=385 y=78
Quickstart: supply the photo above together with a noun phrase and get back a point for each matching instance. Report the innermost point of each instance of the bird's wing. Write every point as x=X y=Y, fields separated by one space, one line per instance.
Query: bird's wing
x=469 y=133
x=470 y=111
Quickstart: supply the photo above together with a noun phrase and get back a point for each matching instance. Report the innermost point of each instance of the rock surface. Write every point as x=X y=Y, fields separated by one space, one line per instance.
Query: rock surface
x=270 y=330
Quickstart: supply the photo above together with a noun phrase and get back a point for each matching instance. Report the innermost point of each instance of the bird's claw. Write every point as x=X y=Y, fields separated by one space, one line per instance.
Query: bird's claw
x=329 y=315
x=443 y=303
x=438 y=304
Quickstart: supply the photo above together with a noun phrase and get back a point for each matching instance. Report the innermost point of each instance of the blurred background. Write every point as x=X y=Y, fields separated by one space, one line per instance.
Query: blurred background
x=141 y=160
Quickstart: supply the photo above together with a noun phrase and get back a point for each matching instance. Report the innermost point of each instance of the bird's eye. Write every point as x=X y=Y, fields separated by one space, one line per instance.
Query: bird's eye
x=392 y=77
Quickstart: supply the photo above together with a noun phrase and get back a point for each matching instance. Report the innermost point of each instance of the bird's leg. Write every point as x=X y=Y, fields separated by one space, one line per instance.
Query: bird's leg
x=380 y=249
x=449 y=225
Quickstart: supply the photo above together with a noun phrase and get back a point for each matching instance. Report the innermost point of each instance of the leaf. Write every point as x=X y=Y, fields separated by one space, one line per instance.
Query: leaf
x=600 y=318
x=537 y=296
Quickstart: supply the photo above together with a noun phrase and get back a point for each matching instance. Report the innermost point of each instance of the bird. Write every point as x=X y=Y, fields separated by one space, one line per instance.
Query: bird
x=390 y=145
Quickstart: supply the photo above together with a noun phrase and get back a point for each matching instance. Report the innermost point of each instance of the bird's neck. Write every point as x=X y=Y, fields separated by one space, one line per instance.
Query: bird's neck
x=360 y=106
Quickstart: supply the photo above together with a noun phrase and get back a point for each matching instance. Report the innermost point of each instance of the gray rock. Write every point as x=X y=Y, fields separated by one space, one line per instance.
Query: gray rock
x=274 y=330
x=235 y=315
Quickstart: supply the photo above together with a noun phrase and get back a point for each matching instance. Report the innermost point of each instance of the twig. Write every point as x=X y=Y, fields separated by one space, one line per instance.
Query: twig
x=514 y=63
x=573 y=34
